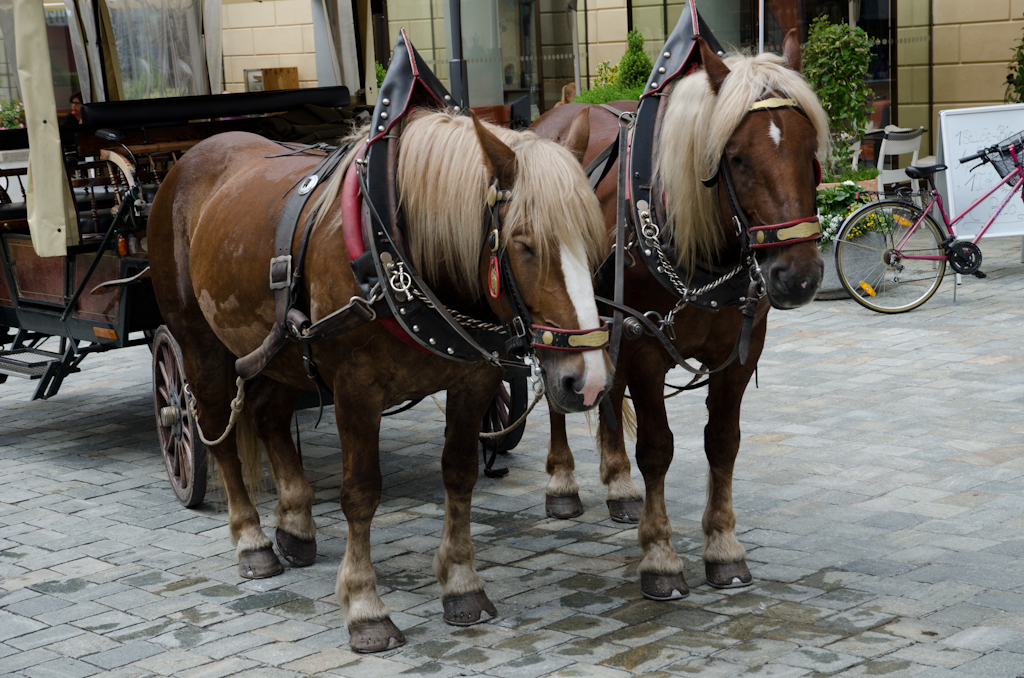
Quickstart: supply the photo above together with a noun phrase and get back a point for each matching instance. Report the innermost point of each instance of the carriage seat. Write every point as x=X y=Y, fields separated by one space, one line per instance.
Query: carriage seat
x=923 y=172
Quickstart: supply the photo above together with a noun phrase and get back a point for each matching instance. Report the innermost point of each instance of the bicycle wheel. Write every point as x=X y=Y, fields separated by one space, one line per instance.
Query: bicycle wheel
x=877 y=275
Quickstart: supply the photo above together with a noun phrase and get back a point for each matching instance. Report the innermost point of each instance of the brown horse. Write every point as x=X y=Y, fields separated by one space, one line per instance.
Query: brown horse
x=211 y=234
x=769 y=153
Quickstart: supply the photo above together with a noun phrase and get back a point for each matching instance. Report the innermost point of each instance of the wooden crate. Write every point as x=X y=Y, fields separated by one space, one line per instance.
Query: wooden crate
x=280 y=78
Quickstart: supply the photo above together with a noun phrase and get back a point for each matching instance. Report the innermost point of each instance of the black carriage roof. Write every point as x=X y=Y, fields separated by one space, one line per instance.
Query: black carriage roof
x=136 y=114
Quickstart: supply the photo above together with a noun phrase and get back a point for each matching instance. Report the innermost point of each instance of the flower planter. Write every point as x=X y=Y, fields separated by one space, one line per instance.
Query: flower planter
x=867 y=185
x=831 y=287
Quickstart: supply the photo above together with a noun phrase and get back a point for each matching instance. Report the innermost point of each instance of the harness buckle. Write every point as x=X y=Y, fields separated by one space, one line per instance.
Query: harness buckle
x=366 y=305
x=309 y=184
x=517 y=325
x=281 y=272
x=736 y=223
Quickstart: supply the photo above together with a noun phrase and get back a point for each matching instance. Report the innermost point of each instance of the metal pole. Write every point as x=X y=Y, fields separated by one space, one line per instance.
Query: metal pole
x=575 y=45
x=760 y=27
x=457 y=74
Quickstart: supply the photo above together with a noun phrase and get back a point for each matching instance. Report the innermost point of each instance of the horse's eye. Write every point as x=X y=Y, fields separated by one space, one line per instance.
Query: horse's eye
x=523 y=247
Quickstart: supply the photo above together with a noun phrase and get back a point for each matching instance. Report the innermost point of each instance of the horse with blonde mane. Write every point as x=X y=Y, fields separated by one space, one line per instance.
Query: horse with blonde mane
x=211 y=233
x=752 y=122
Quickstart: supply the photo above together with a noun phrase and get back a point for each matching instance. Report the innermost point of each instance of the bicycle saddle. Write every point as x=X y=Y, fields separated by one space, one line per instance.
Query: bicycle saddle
x=923 y=172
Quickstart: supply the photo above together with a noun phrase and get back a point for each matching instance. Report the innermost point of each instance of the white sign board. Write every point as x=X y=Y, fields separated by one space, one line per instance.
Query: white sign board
x=963 y=132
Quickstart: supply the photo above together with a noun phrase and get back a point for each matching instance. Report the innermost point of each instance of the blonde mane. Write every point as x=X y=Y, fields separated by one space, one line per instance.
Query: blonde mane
x=694 y=132
x=443 y=184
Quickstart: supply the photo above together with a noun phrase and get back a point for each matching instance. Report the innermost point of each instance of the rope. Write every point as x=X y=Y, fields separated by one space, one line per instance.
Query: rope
x=236 y=409
x=502 y=432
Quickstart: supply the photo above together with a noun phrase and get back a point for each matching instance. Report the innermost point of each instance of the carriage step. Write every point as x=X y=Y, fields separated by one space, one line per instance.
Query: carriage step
x=29 y=363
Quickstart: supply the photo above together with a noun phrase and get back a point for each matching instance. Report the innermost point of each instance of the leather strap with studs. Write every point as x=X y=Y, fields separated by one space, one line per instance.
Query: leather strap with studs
x=570 y=340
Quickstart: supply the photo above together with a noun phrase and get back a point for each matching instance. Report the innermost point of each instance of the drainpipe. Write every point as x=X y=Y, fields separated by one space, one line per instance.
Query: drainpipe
x=457 y=73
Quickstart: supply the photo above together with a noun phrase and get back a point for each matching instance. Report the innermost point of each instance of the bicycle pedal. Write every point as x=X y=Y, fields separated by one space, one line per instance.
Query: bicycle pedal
x=980 y=274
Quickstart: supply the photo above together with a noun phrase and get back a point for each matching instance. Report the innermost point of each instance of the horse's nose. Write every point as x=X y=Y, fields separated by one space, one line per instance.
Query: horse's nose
x=795 y=283
x=573 y=383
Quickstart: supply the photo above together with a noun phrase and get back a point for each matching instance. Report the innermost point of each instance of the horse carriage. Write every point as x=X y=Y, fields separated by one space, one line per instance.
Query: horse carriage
x=77 y=281
x=471 y=252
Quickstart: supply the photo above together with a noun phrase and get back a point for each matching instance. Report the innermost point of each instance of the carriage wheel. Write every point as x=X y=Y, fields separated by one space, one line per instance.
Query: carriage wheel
x=184 y=454
x=510 y=402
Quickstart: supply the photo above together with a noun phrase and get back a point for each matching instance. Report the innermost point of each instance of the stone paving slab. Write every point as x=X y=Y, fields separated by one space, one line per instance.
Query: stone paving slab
x=878 y=491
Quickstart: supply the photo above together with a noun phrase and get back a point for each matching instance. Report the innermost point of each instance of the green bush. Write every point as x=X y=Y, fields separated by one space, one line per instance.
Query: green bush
x=622 y=82
x=602 y=94
x=635 y=66
x=606 y=74
x=381 y=72
x=1015 y=80
x=12 y=115
x=835 y=63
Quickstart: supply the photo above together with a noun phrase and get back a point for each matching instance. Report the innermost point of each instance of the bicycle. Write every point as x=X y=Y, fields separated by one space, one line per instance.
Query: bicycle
x=891 y=255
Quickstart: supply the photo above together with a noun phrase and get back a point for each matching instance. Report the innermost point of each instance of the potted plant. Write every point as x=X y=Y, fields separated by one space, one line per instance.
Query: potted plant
x=12 y=115
x=835 y=203
x=625 y=81
x=835 y=63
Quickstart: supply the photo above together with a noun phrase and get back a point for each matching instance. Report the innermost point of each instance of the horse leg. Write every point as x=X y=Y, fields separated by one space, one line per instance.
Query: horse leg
x=625 y=501
x=254 y=551
x=661 y=569
x=463 y=596
x=358 y=417
x=725 y=564
x=562 y=494
x=273 y=405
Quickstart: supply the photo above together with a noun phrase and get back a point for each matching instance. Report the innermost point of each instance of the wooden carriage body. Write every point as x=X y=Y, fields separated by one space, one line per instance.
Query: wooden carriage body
x=71 y=297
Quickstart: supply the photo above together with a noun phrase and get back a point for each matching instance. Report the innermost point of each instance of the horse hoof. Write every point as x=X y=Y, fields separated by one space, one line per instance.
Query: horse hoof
x=663 y=586
x=728 y=575
x=468 y=609
x=626 y=511
x=259 y=564
x=298 y=552
x=563 y=507
x=375 y=636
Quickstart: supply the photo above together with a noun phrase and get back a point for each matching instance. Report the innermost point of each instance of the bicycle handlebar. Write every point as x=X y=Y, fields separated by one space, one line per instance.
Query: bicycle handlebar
x=980 y=154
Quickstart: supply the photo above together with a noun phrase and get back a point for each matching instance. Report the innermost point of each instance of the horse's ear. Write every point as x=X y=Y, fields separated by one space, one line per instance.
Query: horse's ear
x=579 y=134
x=713 y=66
x=791 y=50
x=499 y=158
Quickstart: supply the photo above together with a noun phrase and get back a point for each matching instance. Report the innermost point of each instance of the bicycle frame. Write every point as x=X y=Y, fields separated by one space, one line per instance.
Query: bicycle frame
x=1017 y=173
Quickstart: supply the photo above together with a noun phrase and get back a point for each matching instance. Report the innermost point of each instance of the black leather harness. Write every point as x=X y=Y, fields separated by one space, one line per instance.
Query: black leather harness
x=710 y=288
x=392 y=289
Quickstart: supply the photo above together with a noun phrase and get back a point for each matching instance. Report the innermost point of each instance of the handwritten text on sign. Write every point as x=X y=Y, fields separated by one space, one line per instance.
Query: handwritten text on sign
x=964 y=132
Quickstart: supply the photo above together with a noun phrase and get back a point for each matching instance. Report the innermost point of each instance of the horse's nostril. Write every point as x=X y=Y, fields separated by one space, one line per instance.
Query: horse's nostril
x=569 y=384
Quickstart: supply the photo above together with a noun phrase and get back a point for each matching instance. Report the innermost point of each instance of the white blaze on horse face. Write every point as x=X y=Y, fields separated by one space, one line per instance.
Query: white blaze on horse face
x=775 y=133
x=580 y=287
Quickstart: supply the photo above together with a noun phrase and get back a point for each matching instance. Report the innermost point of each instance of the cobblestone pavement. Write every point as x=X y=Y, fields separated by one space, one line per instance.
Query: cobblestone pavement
x=878 y=492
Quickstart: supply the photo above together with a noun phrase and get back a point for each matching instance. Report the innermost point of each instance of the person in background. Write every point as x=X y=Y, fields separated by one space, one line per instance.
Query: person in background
x=75 y=116
x=568 y=94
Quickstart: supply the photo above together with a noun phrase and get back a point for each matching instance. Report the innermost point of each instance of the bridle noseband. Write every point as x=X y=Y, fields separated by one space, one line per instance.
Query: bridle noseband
x=500 y=280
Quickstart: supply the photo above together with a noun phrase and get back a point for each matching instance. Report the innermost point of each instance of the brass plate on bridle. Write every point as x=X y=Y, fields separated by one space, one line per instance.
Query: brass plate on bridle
x=598 y=338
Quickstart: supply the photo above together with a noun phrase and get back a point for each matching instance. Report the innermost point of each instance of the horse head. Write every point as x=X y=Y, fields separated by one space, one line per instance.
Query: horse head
x=552 y=239
x=527 y=249
x=762 y=127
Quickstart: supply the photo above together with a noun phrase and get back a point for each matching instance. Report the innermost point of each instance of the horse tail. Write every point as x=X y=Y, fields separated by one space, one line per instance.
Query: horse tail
x=628 y=419
x=250 y=453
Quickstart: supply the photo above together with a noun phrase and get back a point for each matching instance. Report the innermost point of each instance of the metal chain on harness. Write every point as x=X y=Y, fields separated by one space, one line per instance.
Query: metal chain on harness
x=464 y=320
x=652 y=240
